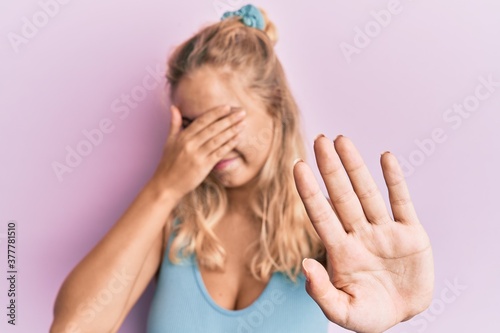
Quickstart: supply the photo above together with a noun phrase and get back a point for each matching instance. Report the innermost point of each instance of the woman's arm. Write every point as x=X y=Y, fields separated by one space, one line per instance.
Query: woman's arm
x=99 y=292
x=101 y=289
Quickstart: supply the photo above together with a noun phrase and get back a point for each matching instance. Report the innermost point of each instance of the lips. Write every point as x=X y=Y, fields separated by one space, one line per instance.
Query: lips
x=224 y=163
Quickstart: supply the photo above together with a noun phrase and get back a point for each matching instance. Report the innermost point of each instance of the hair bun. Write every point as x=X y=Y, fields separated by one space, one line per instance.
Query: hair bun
x=270 y=29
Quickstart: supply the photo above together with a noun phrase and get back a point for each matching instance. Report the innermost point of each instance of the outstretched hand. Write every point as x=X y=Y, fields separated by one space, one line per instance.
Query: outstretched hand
x=380 y=269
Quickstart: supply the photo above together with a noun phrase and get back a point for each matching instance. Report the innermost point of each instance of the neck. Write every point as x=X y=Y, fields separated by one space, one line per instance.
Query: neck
x=238 y=199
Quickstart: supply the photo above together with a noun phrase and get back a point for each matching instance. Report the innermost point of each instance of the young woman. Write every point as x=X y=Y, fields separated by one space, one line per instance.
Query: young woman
x=224 y=224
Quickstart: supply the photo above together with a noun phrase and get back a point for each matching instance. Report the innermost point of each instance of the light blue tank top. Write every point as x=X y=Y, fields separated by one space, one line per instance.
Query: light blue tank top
x=182 y=304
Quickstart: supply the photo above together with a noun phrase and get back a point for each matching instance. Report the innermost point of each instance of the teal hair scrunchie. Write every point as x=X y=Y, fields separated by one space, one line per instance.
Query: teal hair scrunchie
x=250 y=16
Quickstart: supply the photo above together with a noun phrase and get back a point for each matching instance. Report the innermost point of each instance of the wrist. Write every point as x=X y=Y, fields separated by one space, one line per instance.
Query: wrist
x=162 y=194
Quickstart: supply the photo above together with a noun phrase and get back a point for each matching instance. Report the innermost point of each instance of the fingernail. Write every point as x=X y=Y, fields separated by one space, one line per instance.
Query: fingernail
x=382 y=153
x=318 y=136
x=306 y=272
x=297 y=160
x=338 y=136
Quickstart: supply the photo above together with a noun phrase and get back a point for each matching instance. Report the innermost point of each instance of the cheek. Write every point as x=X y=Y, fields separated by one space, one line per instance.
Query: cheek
x=255 y=142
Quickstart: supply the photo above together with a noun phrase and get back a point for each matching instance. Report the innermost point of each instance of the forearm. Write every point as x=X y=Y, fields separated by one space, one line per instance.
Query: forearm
x=108 y=273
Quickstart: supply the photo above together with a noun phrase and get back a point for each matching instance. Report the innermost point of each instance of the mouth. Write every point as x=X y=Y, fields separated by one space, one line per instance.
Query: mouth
x=225 y=163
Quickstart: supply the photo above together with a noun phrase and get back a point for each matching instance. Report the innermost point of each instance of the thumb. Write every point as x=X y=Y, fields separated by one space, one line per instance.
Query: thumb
x=332 y=301
x=175 y=122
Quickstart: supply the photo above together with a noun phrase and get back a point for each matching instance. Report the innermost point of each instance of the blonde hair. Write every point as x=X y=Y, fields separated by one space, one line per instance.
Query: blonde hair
x=286 y=233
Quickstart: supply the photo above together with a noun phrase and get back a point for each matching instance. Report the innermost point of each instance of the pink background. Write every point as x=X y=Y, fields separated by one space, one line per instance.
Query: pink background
x=393 y=92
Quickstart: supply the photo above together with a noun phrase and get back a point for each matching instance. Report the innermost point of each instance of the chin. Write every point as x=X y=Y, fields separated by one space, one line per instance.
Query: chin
x=234 y=178
x=229 y=180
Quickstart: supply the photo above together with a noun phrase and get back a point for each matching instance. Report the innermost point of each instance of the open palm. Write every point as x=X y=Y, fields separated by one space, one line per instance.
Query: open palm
x=380 y=269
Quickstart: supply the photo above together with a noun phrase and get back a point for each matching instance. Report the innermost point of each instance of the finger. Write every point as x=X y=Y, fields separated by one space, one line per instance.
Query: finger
x=364 y=186
x=218 y=140
x=222 y=151
x=333 y=207
x=175 y=123
x=399 y=196
x=321 y=214
x=338 y=185
x=233 y=122
x=207 y=118
x=332 y=301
